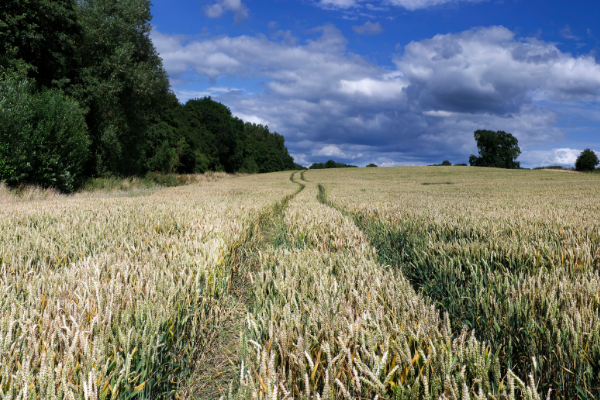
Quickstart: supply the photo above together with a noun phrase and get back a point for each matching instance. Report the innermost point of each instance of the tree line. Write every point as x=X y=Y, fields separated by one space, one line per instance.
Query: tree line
x=83 y=93
x=330 y=164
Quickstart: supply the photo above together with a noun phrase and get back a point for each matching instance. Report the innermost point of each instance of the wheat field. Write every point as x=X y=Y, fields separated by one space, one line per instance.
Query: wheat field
x=512 y=256
x=111 y=296
x=371 y=283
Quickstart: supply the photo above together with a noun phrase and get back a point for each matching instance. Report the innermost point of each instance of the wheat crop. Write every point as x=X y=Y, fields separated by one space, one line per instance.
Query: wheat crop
x=410 y=283
x=111 y=296
x=512 y=255
x=330 y=322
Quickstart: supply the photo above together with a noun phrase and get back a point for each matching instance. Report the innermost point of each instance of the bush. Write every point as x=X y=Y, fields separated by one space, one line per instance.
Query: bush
x=587 y=161
x=43 y=137
x=446 y=163
x=371 y=165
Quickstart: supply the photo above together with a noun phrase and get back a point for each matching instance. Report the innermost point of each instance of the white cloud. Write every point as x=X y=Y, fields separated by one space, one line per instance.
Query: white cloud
x=332 y=103
x=220 y=7
x=418 y=4
x=335 y=151
x=252 y=118
x=368 y=28
x=330 y=151
x=287 y=37
x=487 y=70
x=337 y=4
x=383 y=89
x=384 y=4
x=185 y=95
x=301 y=159
x=546 y=158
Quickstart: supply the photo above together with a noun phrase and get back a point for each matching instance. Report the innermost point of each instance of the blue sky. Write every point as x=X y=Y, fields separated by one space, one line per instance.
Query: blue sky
x=394 y=82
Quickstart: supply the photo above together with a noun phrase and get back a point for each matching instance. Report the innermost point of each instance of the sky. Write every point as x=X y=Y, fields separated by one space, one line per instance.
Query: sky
x=394 y=82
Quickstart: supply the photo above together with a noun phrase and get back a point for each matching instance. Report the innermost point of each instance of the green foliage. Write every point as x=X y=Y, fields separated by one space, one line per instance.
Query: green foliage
x=39 y=39
x=587 y=161
x=371 y=165
x=444 y=163
x=551 y=167
x=461 y=165
x=122 y=85
x=99 y=53
x=208 y=137
x=496 y=149
x=43 y=137
x=330 y=164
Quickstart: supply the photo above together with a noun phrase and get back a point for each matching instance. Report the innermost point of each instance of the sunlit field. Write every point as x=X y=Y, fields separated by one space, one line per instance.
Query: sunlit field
x=371 y=283
x=111 y=296
x=512 y=256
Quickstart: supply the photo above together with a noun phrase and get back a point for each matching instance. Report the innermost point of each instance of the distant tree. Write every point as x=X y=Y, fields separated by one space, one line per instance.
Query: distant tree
x=496 y=149
x=446 y=163
x=331 y=164
x=587 y=161
x=371 y=165
x=461 y=165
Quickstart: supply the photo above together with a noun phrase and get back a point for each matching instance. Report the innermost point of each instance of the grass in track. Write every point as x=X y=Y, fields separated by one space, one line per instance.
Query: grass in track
x=218 y=366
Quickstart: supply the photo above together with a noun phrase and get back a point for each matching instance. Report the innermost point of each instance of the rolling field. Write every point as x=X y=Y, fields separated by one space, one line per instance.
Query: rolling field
x=371 y=283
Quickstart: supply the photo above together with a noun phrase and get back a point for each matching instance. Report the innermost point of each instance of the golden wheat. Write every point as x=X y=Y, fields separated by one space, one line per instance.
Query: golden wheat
x=330 y=322
x=92 y=286
x=513 y=254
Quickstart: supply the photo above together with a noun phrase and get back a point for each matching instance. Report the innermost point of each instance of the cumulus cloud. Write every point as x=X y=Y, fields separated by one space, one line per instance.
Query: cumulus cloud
x=338 y=4
x=368 y=28
x=220 y=7
x=545 y=158
x=185 y=95
x=486 y=70
x=330 y=103
x=383 y=4
x=418 y=4
x=335 y=151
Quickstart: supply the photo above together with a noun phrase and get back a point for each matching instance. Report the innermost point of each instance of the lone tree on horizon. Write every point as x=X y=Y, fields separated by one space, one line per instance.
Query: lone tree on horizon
x=587 y=161
x=496 y=149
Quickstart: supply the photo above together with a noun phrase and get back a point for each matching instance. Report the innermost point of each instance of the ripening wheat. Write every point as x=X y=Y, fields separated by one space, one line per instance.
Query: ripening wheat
x=108 y=296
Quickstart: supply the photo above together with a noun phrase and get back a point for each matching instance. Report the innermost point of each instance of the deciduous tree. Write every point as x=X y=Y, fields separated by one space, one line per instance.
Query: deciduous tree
x=587 y=161
x=496 y=149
